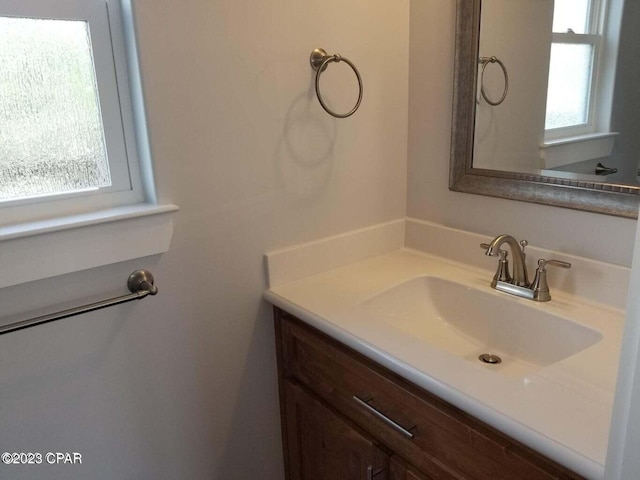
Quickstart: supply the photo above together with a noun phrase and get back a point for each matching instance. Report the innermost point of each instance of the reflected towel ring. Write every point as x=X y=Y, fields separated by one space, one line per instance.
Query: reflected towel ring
x=486 y=61
x=319 y=61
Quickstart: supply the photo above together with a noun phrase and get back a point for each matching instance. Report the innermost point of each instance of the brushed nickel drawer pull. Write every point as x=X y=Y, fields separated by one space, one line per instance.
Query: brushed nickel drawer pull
x=371 y=473
x=383 y=417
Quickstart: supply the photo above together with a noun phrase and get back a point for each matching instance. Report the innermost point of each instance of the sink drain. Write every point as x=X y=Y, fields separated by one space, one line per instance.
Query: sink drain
x=490 y=358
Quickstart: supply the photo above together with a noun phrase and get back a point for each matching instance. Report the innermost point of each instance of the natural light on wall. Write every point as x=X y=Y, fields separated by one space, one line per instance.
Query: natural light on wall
x=52 y=138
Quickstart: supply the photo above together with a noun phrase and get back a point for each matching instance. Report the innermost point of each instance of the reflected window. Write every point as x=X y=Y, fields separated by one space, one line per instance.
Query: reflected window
x=572 y=15
x=570 y=78
x=574 y=67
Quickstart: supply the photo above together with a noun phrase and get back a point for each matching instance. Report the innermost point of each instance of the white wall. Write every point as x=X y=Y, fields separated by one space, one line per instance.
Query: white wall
x=506 y=138
x=432 y=27
x=183 y=385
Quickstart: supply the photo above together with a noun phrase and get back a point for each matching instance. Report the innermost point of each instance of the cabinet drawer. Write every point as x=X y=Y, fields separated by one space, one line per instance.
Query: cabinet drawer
x=439 y=439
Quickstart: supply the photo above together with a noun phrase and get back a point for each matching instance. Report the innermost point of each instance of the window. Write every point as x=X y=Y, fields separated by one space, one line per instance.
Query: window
x=67 y=145
x=76 y=184
x=574 y=68
x=53 y=138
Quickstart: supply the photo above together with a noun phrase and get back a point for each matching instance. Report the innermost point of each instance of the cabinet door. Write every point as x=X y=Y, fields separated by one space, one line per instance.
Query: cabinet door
x=322 y=446
x=400 y=470
x=414 y=475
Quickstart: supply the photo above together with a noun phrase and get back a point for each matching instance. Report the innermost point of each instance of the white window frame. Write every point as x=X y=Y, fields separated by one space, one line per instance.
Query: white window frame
x=590 y=125
x=103 y=18
x=53 y=235
x=600 y=91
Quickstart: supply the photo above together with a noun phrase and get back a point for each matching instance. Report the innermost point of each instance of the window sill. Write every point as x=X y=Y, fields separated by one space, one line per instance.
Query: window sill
x=564 y=151
x=48 y=248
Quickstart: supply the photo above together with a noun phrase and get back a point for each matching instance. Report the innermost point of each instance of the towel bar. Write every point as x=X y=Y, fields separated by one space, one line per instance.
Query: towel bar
x=140 y=284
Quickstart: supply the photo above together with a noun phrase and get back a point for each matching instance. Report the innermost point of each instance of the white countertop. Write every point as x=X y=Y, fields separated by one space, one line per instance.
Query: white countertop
x=562 y=410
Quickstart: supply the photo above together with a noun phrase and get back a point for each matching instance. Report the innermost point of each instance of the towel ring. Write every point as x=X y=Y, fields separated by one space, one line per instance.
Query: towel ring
x=319 y=61
x=486 y=61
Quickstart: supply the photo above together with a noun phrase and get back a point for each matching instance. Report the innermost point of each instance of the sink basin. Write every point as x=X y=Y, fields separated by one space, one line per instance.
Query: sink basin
x=469 y=322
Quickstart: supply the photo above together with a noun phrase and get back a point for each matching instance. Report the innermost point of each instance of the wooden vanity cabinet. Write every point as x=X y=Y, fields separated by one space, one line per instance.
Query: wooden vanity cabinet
x=344 y=417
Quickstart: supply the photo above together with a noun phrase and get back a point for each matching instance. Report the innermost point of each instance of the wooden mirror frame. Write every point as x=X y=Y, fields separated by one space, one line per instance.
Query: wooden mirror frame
x=606 y=198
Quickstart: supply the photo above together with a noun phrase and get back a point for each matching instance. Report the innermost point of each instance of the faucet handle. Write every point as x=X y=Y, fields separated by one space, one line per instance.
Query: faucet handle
x=540 y=286
x=542 y=263
x=503 y=275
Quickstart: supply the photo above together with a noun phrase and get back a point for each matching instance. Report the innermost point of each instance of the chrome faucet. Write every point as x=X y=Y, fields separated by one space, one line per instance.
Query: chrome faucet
x=519 y=284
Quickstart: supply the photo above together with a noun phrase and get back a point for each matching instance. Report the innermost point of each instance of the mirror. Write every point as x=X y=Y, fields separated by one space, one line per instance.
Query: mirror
x=540 y=99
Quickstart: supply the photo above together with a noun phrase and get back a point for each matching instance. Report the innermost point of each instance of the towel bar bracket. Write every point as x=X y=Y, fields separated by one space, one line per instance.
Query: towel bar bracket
x=141 y=281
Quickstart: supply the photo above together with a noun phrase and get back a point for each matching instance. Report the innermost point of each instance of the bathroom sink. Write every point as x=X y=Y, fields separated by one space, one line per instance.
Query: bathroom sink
x=469 y=322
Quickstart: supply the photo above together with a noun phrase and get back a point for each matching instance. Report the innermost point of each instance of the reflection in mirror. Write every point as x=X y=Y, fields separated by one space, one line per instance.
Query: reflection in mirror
x=546 y=103
x=572 y=68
